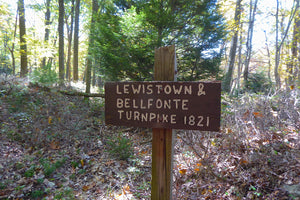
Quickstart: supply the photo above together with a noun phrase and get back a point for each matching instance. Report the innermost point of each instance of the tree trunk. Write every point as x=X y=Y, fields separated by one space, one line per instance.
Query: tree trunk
x=12 y=49
x=279 y=45
x=61 y=40
x=70 y=35
x=269 y=58
x=249 y=40
x=294 y=71
x=76 y=33
x=90 y=49
x=23 y=46
x=240 y=60
x=47 y=30
x=277 y=51
x=228 y=77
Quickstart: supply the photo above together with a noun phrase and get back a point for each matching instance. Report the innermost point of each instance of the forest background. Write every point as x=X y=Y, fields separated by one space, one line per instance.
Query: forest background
x=245 y=43
x=55 y=143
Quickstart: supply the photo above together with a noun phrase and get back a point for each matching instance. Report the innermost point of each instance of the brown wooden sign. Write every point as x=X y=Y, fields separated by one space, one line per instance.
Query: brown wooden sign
x=171 y=105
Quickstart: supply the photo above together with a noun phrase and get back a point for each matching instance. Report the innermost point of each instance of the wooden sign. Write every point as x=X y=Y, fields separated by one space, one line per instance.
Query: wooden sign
x=170 y=105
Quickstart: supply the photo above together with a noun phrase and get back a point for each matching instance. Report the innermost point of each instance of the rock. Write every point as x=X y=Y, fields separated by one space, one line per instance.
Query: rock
x=292 y=189
x=49 y=184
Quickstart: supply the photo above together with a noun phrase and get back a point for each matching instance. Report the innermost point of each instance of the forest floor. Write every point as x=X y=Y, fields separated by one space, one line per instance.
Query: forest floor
x=54 y=146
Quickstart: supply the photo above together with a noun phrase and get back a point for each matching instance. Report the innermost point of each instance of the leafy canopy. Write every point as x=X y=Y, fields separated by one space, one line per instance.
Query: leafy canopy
x=127 y=32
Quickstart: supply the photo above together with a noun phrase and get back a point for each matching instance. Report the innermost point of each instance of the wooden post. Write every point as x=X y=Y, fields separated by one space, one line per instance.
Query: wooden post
x=162 y=142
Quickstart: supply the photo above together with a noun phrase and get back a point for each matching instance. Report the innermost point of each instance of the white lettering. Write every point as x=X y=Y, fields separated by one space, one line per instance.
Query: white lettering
x=134 y=104
x=149 y=89
x=128 y=115
x=184 y=104
x=126 y=103
x=167 y=89
x=150 y=101
x=144 y=117
x=159 y=104
x=159 y=88
x=125 y=89
x=136 y=90
x=167 y=103
x=177 y=91
x=173 y=119
x=136 y=115
x=118 y=90
x=119 y=103
x=152 y=116
x=176 y=102
x=120 y=113
x=188 y=89
x=200 y=89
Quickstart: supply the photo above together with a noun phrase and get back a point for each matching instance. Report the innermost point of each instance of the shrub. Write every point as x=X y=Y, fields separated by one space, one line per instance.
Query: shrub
x=258 y=82
x=44 y=75
x=121 y=147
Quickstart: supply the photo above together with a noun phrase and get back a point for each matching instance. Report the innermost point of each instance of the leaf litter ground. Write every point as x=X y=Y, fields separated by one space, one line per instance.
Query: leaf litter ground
x=55 y=146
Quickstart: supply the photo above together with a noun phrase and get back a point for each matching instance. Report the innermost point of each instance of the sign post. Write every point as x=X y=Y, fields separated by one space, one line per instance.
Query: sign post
x=162 y=138
x=163 y=105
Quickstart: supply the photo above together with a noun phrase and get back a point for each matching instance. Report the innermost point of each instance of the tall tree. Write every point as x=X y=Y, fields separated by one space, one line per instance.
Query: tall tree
x=129 y=37
x=294 y=69
x=12 y=48
x=279 y=44
x=70 y=35
x=23 y=46
x=47 y=29
x=76 y=39
x=277 y=51
x=61 y=40
x=95 y=9
x=228 y=77
x=252 y=12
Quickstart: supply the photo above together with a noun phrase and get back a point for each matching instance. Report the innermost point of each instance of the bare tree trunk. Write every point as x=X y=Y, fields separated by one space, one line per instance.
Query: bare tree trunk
x=61 y=40
x=94 y=73
x=249 y=40
x=12 y=49
x=76 y=35
x=47 y=30
x=279 y=45
x=90 y=49
x=228 y=77
x=240 y=60
x=269 y=58
x=70 y=35
x=294 y=71
x=23 y=46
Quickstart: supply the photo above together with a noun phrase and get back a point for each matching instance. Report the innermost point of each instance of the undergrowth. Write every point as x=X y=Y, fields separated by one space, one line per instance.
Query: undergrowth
x=63 y=150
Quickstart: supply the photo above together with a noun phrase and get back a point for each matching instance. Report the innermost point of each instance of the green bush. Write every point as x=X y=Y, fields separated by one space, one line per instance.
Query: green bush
x=44 y=75
x=30 y=172
x=49 y=168
x=120 y=147
x=258 y=82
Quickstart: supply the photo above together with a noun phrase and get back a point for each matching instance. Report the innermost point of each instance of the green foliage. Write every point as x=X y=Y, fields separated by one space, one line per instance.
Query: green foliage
x=37 y=194
x=258 y=82
x=17 y=100
x=44 y=75
x=30 y=172
x=120 y=147
x=66 y=193
x=126 y=39
x=49 y=168
x=2 y=185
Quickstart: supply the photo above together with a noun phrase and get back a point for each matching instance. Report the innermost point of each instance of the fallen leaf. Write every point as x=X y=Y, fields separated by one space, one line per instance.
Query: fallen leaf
x=257 y=114
x=183 y=171
x=49 y=120
x=54 y=145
